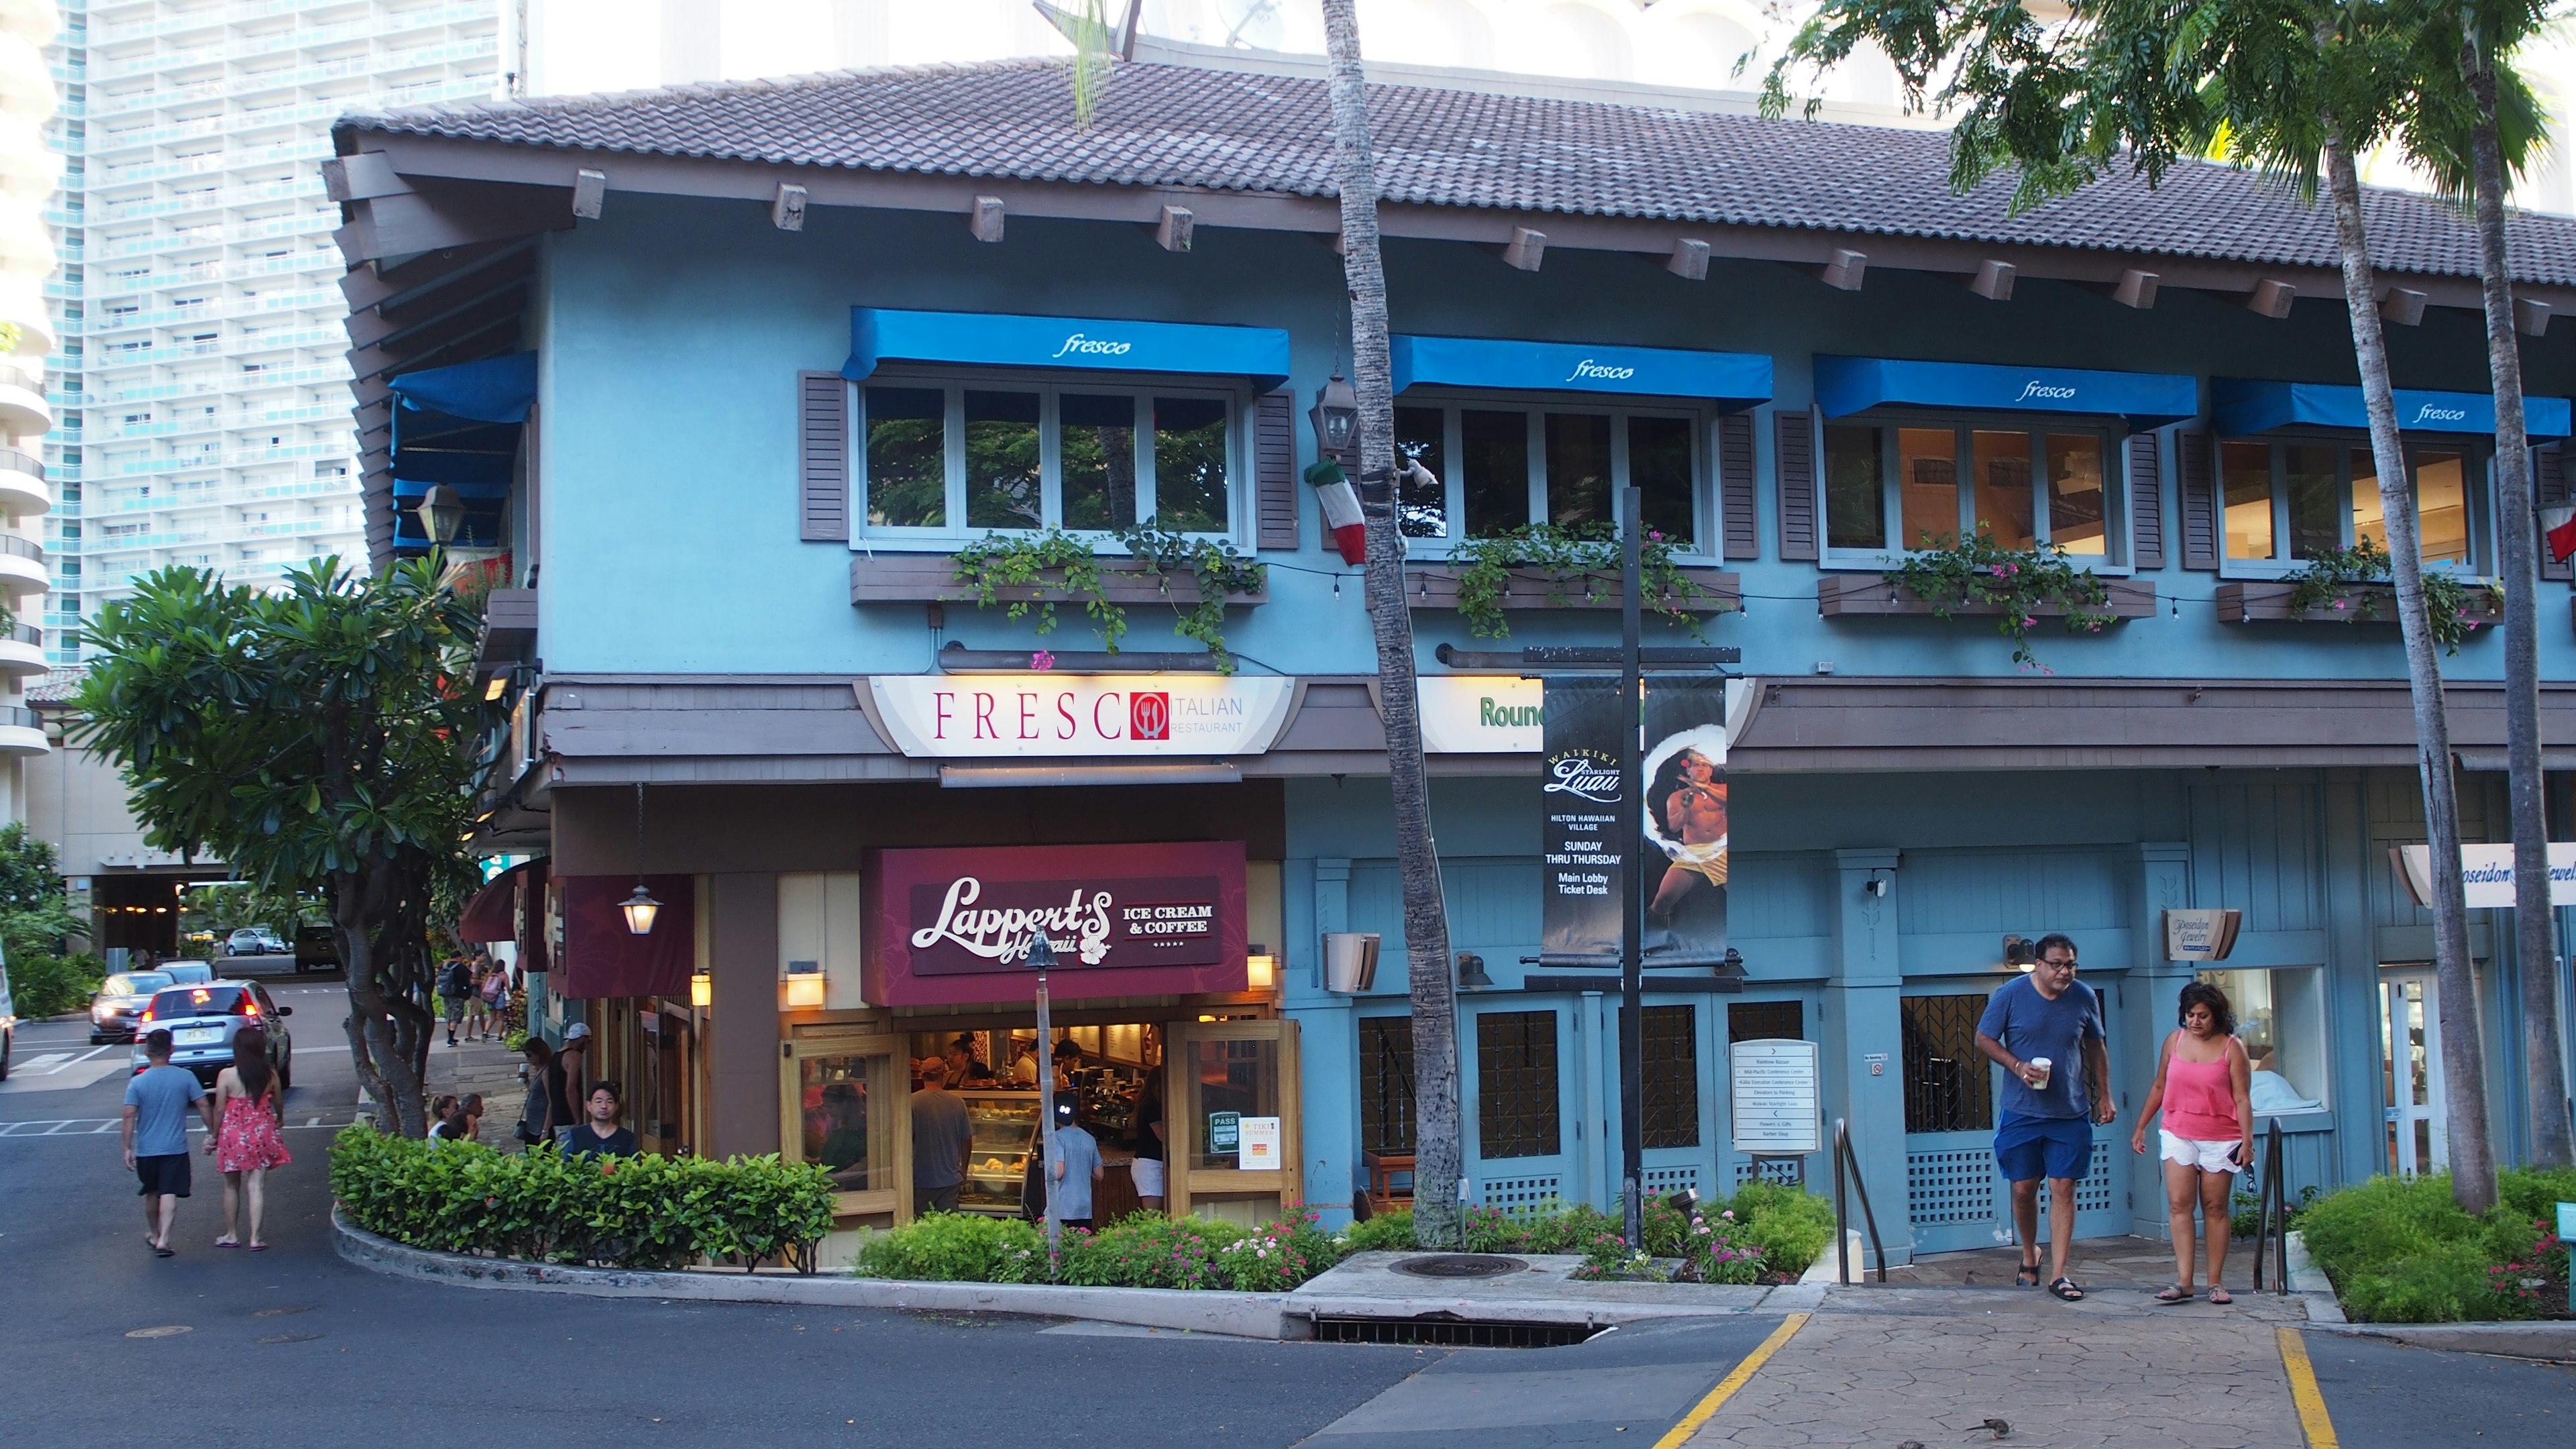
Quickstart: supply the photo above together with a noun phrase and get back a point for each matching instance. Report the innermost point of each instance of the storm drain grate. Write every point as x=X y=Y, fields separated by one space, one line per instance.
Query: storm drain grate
x=1443 y=1331
x=1459 y=1265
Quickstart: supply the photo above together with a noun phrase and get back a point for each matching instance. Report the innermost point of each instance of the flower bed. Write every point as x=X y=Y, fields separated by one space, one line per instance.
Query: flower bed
x=2401 y=1251
x=542 y=1207
x=1767 y=1233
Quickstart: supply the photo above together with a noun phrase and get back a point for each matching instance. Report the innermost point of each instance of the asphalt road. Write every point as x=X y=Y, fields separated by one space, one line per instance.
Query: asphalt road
x=2386 y=1395
x=292 y=1346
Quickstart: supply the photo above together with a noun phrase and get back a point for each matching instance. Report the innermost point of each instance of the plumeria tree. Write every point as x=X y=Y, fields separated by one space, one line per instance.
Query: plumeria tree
x=318 y=738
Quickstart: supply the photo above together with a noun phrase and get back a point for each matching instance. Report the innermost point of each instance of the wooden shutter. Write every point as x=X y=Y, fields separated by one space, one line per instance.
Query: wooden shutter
x=2146 y=502
x=2549 y=490
x=2195 y=464
x=1738 y=513
x=1794 y=455
x=1274 y=469
x=822 y=457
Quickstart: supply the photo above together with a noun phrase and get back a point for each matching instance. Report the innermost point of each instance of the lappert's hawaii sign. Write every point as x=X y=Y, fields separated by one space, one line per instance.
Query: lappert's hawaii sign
x=956 y=926
x=962 y=716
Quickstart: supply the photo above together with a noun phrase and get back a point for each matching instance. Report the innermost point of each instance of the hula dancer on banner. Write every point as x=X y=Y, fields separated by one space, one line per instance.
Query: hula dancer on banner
x=1695 y=816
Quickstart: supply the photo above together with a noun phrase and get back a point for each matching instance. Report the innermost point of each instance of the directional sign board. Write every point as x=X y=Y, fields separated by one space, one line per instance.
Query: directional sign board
x=1779 y=1098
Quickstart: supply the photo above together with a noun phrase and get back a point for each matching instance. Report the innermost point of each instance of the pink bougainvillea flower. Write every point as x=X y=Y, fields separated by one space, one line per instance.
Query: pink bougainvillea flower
x=1042 y=661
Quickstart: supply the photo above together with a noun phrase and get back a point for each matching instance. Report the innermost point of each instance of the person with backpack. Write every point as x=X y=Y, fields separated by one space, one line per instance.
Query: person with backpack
x=455 y=983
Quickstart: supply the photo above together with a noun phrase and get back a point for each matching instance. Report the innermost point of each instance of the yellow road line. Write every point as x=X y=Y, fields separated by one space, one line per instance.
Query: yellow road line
x=1726 y=1387
x=2303 y=1391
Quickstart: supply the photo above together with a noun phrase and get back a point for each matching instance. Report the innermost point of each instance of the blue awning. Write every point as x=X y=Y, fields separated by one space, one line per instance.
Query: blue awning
x=1738 y=378
x=997 y=339
x=2146 y=399
x=2245 y=406
x=495 y=390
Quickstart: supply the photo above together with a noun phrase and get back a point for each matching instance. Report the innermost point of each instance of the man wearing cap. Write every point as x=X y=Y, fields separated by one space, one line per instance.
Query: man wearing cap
x=940 y=1135
x=571 y=1058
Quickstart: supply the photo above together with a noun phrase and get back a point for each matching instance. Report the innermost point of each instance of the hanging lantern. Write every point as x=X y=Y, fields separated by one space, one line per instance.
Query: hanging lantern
x=640 y=909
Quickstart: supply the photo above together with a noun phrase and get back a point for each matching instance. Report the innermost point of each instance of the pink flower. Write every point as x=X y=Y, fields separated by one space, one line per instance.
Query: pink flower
x=1042 y=661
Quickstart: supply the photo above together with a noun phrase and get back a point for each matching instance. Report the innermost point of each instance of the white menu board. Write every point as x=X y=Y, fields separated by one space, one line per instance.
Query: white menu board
x=1778 y=1091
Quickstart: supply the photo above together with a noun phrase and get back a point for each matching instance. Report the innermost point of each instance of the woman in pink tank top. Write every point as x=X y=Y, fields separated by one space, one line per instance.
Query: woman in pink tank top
x=2204 y=1086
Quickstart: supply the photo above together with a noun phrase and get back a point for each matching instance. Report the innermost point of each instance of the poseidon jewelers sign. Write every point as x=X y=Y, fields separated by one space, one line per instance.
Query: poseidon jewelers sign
x=1123 y=920
x=962 y=716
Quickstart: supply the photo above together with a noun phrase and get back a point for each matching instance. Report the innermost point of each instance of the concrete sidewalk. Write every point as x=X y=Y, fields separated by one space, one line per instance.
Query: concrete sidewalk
x=2108 y=1379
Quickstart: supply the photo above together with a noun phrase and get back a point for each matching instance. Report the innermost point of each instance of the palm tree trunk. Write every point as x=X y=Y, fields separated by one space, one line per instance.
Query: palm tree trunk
x=2472 y=1156
x=2535 y=947
x=1438 y=1157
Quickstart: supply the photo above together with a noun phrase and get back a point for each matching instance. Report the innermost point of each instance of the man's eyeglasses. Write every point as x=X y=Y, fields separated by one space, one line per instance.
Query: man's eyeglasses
x=2066 y=965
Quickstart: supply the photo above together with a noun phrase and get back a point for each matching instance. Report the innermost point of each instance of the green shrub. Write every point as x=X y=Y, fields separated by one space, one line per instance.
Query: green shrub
x=43 y=984
x=957 y=1248
x=1388 y=1232
x=1278 y=1256
x=1148 y=1250
x=1492 y=1230
x=1572 y=1231
x=621 y=1212
x=2534 y=1192
x=1792 y=1226
x=2400 y=1251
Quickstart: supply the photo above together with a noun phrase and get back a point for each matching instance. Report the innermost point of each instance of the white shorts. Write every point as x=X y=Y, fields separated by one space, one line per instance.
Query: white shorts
x=1148 y=1175
x=2207 y=1156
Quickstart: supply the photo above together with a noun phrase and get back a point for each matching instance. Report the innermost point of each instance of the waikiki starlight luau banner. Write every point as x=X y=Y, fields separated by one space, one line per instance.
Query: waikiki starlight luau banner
x=1684 y=852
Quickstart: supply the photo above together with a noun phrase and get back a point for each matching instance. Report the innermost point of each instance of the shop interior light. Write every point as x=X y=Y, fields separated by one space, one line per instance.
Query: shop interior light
x=1261 y=969
x=702 y=988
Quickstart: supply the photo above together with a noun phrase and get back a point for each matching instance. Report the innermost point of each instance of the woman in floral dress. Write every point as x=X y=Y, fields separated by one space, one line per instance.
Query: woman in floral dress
x=246 y=1144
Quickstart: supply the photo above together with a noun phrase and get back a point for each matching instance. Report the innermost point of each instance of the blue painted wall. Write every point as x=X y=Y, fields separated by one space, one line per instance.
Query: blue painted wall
x=671 y=331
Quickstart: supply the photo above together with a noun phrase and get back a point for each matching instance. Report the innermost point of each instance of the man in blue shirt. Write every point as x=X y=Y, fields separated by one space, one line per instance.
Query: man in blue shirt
x=156 y=1136
x=2037 y=1028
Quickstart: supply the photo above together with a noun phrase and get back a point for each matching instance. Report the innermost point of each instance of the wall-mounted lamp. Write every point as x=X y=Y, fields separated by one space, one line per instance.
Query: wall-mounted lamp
x=805 y=983
x=1876 y=886
x=1261 y=969
x=2019 y=954
x=1471 y=973
x=442 y=513
x=702 y=987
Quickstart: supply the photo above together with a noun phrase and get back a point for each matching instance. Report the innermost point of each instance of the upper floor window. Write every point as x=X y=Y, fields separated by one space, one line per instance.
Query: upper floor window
x=1901 y=485
x=2288 y=500
x=1502 y=467
x=971 y=457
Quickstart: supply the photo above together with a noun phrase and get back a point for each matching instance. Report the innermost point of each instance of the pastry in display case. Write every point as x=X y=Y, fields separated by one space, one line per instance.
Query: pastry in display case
x=1003 y=1131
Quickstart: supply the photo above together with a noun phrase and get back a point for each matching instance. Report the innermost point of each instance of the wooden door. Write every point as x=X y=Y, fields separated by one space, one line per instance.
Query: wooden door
x=1221 y=1073
x=844 y=1102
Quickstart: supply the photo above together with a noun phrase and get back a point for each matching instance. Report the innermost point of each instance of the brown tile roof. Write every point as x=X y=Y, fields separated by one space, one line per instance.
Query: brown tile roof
x=1168 y=125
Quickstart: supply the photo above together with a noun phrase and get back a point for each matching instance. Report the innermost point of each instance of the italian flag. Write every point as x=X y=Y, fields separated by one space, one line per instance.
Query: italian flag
x=1341 y=510
x=2560 y=524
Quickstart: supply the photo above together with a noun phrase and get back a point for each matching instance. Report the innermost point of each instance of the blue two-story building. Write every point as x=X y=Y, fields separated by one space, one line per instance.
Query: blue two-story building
x=725 y=379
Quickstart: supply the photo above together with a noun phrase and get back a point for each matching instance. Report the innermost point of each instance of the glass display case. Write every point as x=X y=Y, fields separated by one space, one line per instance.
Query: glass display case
x=1004 y=1131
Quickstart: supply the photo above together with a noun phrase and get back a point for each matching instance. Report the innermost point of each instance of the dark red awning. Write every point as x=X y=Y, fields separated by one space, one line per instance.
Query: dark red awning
x=602 y=958
x=493 y=914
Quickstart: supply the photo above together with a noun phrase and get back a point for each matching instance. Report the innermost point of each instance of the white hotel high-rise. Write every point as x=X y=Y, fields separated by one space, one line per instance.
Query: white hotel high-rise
x=201 y=389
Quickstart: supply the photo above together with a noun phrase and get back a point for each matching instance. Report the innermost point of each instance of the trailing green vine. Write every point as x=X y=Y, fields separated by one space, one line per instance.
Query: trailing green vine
x=1951 y=572
x=1052 y=559
x=2341 y=580
x=1587 y=554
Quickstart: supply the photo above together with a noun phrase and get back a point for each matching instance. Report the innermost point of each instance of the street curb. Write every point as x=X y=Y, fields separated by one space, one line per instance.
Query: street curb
x=1241 y=1315
x=2550 y=1342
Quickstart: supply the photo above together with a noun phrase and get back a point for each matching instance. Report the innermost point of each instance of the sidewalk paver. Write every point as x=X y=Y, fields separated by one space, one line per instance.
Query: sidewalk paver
x=2105 y=1380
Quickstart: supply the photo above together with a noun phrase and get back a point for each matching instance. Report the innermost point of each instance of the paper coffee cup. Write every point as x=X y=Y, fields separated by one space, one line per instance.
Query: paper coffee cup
x=2043 y=1064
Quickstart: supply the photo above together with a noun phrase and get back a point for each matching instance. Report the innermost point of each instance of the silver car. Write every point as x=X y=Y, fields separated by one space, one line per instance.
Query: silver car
x=256 y=941
x=121 y=998
x=202 y=1020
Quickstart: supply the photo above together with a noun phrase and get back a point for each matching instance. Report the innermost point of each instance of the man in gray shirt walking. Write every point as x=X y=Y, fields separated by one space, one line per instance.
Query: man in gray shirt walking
x=940 y=1136
x=157 y=1100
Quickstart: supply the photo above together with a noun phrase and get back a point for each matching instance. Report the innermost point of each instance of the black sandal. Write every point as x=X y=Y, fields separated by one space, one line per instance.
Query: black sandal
x=2067 y=1289
x=2026 y=1276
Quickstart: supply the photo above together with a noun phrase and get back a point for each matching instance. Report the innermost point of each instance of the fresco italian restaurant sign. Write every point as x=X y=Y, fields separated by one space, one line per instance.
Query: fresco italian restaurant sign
x=986 y=716
x=1123 y=920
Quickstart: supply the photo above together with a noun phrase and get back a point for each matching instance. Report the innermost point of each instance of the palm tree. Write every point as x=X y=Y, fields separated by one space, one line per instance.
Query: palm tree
x=2503 y=119
x=2298 y=88
x=1438 y=1156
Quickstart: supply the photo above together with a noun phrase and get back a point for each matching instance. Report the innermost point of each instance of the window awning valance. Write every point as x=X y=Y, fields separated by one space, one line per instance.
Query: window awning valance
x=460 y=426
x=999 y=339
x=1740 y=379
x=495 y=390
x=1847 y=385
x=2245 y=406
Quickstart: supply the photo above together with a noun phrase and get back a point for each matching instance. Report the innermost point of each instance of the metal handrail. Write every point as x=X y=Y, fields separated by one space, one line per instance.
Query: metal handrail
x=2272 y=1213
x=1842 y=1238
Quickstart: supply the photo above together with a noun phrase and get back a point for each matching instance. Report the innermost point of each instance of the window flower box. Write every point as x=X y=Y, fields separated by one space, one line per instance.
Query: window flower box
x=2270 y=601
x=1435 y=587
x=932 y=579
x=1870 y=595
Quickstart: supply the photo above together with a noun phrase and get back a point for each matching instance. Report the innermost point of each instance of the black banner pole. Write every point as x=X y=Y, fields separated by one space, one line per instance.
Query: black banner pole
x=1632 y=793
